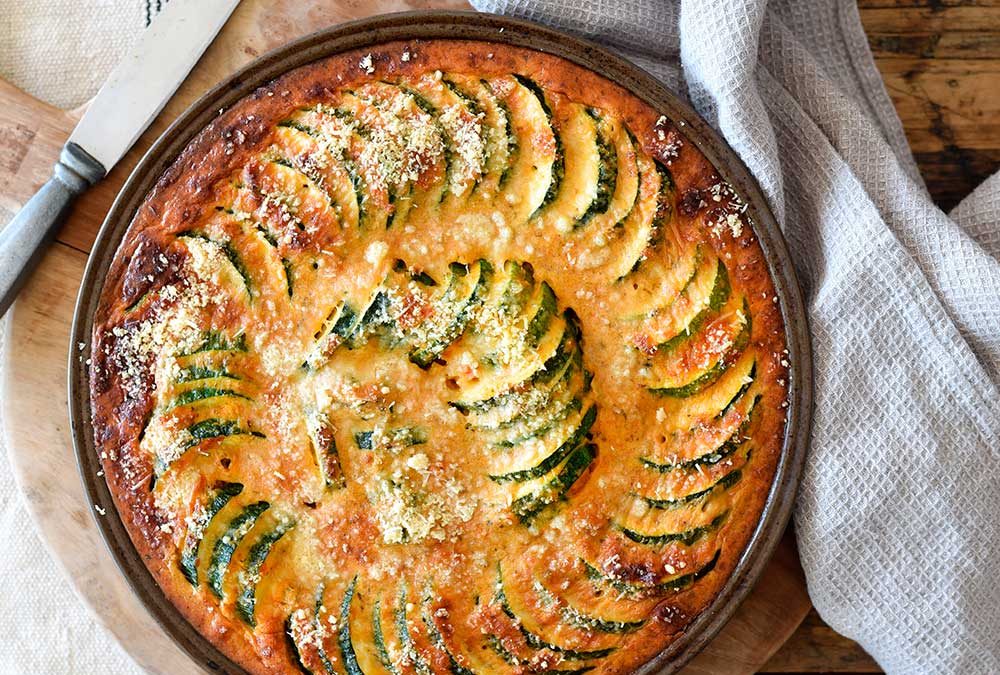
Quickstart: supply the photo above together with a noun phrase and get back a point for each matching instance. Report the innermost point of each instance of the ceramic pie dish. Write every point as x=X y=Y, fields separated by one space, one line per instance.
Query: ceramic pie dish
x=426 y=346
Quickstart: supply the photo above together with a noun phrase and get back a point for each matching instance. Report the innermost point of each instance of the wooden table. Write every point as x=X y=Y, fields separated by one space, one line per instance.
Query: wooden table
x=941 y=63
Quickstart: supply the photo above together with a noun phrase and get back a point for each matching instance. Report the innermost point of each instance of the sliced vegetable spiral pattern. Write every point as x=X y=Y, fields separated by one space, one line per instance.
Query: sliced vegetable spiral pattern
x=451 y=374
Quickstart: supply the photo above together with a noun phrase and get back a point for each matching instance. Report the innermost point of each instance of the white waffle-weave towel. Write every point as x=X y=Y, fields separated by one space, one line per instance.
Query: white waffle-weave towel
x=897 y=518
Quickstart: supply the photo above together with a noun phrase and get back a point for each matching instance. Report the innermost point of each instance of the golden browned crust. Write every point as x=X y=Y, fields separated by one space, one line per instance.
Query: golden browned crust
x=335 y=517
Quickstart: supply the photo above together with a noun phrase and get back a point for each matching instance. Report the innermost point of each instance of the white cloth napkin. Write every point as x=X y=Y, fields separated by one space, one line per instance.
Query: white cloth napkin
x=61 y=50
x=897 y=518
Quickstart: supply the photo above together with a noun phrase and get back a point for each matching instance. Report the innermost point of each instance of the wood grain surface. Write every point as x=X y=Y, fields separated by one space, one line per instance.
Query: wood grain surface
x=941 y=63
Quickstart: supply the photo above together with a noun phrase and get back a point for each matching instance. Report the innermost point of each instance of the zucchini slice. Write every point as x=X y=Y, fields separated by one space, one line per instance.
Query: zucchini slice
x=607 y=170
x=694 y=498
x=533 y=178
x=708 y=376
x=249 y=578
x=343 y=138
x=306 y=631
x=201 y=244
x=437 y=639
x=713 y=456
x=500 y=147
x=518 y=289
x=705 y=292
x=580 y=189
x=301 y=147
x=351 y=322
x=390 y=439
x=519 y=392
x=217 y=341
x=196 y=433
x=460 y=120
x=519 y=613
x=347 y=651
x=529 y=505
x=406 y=641
x=209 y=508
x=583 y=620
x=386 y=645
x=194 y=373
x=638 y=232
x=465 y=293
x=672 y=584
x=324 y=442
x=518 y=413
x=226 y=545
x=537 y=463
x=686 y=537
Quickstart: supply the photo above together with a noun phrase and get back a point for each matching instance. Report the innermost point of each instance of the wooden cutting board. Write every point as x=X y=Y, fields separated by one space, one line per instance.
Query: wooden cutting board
x=34 y=395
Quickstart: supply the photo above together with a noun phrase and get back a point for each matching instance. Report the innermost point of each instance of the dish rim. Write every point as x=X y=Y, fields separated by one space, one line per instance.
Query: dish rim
x=457 y=25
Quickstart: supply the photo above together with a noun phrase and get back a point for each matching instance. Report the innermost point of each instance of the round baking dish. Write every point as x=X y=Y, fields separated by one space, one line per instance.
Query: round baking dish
x=468 y=26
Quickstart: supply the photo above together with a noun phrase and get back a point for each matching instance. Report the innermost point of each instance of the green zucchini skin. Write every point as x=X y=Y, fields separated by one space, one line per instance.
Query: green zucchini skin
x=542 y=319
x=347 y=652
x=711 y=375
x=528 y=507
x=195 y=373
x=216 y=341
x=293 y=647
x=202 y=431
x=607 y=173
x=232 y=255
x=559 y=165
x=318 y=632
x=728 y=447
x=320 y=607
x=672 y=585
x=558 y=455
x=523 y=415
x=535 y=641
x=403 y=632
x=724 y=483
x=246 y=599
x=399 y=437
x=357 y=180
x=203 y=393
x=575 y=405
x=216 y=500
x=553 y=367
x=721 y=289
x=226 y=545
x=437 y=639
x=424 y=355
x=381 y=651
x=687 y=537
x=517 y=291
x=584 y=621
x=741 y=392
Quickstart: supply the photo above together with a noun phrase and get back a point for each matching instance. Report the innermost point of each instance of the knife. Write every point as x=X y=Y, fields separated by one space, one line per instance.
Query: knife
x=129 y=100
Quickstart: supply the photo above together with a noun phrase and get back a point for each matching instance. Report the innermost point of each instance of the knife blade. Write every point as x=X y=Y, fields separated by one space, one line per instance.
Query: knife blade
x=143 y=82
x=131 y=97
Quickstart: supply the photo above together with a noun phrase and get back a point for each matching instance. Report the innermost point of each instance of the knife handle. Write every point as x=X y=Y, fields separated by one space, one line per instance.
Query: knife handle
x=27 y=236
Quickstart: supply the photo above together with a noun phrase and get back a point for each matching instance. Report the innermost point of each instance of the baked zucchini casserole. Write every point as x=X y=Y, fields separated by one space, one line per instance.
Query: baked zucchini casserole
x=440 y=357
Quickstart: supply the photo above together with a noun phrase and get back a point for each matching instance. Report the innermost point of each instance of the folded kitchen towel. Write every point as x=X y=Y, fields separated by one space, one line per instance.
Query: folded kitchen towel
x=897 y=517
